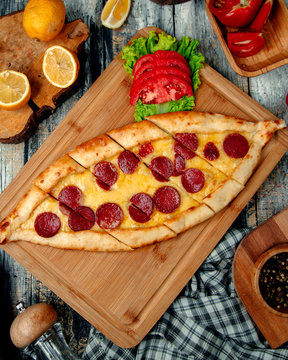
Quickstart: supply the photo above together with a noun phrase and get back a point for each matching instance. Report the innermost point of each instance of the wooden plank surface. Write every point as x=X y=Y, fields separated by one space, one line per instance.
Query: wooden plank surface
x=186 y=19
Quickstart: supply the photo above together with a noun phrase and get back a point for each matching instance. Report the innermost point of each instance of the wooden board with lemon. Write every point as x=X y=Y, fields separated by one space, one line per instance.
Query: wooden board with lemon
x=39 y=65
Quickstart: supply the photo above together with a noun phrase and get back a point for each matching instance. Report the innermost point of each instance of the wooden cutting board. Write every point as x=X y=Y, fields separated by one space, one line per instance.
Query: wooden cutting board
x=124 y=294
x=273 y=232
x=20 y=53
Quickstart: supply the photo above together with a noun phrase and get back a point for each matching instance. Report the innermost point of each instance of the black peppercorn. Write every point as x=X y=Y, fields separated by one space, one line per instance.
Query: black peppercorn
x=273 y=282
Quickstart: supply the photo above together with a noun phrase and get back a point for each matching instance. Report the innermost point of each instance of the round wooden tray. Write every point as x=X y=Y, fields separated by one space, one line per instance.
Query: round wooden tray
x=273 y=326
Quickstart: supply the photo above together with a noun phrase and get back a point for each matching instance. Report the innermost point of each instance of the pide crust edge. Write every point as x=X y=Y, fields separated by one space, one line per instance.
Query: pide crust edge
x=105 y=146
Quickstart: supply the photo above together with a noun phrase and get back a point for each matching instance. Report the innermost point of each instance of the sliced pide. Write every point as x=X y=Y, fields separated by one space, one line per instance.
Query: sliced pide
x=140 y=184
x=78 y=190
x=231 y=145
x=169 y=159
x=134 y=178
x=38 y=219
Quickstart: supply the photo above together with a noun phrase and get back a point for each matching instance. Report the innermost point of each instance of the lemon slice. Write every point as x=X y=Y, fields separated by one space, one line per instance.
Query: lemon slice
x=15 y=90
x=115 y=13
x=60 y=66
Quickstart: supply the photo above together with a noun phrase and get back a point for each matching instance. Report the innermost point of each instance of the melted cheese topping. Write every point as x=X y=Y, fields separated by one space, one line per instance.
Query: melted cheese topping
x=224 y=163
x=48 y=205
x=213 y=177
x=163 y=147
x=121 y=192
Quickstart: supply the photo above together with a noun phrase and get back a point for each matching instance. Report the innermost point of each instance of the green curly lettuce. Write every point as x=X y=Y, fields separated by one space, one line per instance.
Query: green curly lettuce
x=142 y=110
x=186 y=47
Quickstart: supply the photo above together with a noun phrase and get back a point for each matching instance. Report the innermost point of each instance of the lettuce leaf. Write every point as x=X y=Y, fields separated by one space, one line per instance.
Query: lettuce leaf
x=184 y=104
x=186 y=47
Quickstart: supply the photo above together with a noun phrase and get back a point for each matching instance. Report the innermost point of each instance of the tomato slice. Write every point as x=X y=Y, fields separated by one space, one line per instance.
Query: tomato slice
x=168 y=53
x=173 y=63
x=141 y=61
x=162 y=58
x=149 y=71
x=159 y=89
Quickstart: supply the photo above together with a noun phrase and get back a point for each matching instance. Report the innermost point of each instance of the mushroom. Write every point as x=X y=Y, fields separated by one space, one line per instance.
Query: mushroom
x=30 y=324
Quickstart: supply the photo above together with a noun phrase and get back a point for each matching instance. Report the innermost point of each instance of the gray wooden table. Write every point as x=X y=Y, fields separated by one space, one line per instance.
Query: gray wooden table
x=188 y=19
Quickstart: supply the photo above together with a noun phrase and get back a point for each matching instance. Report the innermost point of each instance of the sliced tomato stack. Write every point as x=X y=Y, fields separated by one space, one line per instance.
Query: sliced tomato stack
x=160 y=77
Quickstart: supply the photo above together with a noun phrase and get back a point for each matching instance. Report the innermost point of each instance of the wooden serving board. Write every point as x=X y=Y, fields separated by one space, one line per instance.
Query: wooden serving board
x=124 y=294
x=20 y=53
x=272 y=56
x=273 y=232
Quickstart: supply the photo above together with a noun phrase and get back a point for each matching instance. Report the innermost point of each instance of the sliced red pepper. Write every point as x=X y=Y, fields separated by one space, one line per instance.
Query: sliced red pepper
x=222 y=7
x=262 y=16
x=244 y=44
x=235 y=13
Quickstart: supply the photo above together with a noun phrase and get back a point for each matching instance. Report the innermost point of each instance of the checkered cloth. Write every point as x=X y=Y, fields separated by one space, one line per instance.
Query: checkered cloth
x=206 y=321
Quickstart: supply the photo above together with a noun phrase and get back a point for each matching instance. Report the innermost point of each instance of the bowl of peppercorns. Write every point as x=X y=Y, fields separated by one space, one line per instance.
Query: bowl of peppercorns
x=270 y=279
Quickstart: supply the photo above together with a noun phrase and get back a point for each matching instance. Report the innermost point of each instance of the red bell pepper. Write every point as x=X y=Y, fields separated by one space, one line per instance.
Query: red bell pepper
x=235 y=13
x=244 y=44
x=262 y=16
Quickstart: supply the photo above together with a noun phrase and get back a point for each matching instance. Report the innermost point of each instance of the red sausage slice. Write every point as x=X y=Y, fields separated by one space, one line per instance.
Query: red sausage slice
x=47 y=224
x=109 y=216
x=64 y=209
x=138 y=215
x=127 y=162
x=179 y=165
x=83 y=218
x=235 y=145
x=146 y=149
x=106 y=172
x=162 y=166
x=188 y=139
x=211 y=151
x=183 y=151
x=143 y=202
x=103 y=185
x=158 y=177
x=193 y=180
x=167 y=199
x=69 y=197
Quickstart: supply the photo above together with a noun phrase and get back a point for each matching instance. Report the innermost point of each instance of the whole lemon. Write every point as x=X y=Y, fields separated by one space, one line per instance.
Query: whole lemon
x=44 y=19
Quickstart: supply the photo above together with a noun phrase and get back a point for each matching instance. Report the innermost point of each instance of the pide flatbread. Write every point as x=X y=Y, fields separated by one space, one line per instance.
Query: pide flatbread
x=211 y=130
x=20 y=225
x=186 y=170
x=140 y=184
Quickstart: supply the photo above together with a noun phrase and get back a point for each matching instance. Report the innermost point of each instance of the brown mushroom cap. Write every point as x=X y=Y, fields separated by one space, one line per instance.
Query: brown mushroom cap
x=32 y=323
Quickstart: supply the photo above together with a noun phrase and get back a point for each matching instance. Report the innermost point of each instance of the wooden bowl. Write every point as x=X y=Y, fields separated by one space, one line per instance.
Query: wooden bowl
x=261 y=261
x=272 y=56
x=251 y=253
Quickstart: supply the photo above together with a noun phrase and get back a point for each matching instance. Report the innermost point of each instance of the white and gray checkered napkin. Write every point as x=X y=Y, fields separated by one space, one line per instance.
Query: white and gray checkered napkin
x=206 y=321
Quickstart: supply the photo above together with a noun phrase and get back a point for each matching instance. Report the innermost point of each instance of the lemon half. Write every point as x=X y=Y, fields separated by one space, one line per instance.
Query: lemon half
x=115 y=13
